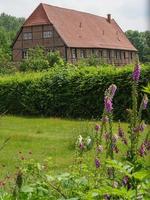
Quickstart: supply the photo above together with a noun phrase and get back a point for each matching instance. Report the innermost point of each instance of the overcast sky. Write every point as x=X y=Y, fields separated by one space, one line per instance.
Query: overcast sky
x=130 y=14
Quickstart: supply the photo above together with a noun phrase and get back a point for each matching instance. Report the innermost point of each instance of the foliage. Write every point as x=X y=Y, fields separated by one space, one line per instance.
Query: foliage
x=67 y=92
x=108 y=178
x=92 y=61
x=38 y=60
x=141 y=40
x=147 y=89
x=54 y=59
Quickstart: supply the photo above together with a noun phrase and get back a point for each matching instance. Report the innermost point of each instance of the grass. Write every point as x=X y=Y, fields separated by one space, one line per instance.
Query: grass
x=44 y=137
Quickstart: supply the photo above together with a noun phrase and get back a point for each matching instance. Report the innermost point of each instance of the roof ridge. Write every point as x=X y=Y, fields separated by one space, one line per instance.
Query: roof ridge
x=69 y=9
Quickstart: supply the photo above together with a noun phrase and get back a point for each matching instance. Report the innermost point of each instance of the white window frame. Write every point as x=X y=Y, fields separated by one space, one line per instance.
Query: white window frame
x=25 y=54
x=47 y=34
x=27 y=36
x=74 y=54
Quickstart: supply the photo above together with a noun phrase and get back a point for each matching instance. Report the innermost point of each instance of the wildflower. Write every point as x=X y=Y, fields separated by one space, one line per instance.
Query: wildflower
x=97 y=163
x=142 y=150
x=120 y=132
x=111 y=90
x=147 y=144
x=81 y=146
x=115 y=149
x=108 y=104
x=115 y=138
x=125 y=180
x=105 y=119
x=136 y=73
x=100 y=148
x=115 y=184
x=88 y=140
x=106 y=136
x=107 y=197
x=80 y=139
x=97 y=127
x=142 y=126
x=144 y=102
x=124 y=140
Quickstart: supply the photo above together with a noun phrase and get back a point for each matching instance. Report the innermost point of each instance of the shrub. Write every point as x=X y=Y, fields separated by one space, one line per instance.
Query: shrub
x=92 y=61
x=54 y=59
x=6 y=66
x=38 y=60
x=68 y=92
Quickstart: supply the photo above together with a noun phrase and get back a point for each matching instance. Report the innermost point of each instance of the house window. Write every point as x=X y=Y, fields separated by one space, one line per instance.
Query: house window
x=101 y=53
x=25 y=54
x=124 y=53
x=117 y=54
x=109 y=53
x=27 y=36
x=131 y=55
x=47 y=34
x=83 y=53
x=74 y=53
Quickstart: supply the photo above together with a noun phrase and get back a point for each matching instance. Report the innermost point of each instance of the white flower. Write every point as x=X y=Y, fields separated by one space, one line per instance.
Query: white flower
x=80 y=139
x=88 y=140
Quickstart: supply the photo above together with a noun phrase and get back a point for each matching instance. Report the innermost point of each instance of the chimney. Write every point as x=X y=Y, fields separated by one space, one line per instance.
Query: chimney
x=109 y=18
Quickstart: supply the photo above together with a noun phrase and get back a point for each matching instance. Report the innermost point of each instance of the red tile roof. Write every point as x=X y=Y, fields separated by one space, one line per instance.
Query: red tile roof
x=80 y=29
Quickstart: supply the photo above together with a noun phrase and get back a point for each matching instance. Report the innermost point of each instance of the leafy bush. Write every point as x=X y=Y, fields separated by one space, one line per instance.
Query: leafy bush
x=6 y=66
x=38 y=60
x=68 y=92
x=92 y=61
x=54 y=59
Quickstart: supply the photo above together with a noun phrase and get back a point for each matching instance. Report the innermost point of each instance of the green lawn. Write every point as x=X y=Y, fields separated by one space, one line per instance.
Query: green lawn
x=44 y=137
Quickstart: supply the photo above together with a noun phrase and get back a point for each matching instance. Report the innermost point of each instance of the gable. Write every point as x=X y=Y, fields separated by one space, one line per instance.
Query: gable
x=38 y=17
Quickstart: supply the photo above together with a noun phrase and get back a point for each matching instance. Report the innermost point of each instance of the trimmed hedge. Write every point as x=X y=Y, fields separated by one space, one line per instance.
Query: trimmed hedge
x=76 y=93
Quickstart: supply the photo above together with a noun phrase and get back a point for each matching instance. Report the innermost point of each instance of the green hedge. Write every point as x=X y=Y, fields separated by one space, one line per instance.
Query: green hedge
x=76 y=92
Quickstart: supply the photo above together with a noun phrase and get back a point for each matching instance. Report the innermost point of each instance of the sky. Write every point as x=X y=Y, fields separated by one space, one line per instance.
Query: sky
x=130 y=14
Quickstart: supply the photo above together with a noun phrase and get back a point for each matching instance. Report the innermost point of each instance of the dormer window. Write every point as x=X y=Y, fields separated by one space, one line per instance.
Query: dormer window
x=27 y=36
x=47 y=34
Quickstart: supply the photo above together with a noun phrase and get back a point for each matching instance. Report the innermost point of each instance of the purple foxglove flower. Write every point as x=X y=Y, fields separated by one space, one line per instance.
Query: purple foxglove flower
x=120 y=132
x=111 y=90
x=144 y=102
x=105 y=119
x=124 y=140
x=125 y=180
x=142 y=150
x=97 y=163
x=142 y=126
x=107 y=197
x=115 y=149
x=108 y=104
x=100 y=148
x=136 y=73
x=147 y=144
x=106 y=136
x=136 y=129
x=97 y=127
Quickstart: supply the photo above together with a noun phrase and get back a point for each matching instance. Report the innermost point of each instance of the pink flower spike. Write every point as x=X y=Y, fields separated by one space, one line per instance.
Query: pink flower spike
x=136 y=73
x=97 y=127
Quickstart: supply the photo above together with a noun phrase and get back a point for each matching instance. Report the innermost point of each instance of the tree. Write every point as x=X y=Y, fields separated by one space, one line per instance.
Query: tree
x=141 y=41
